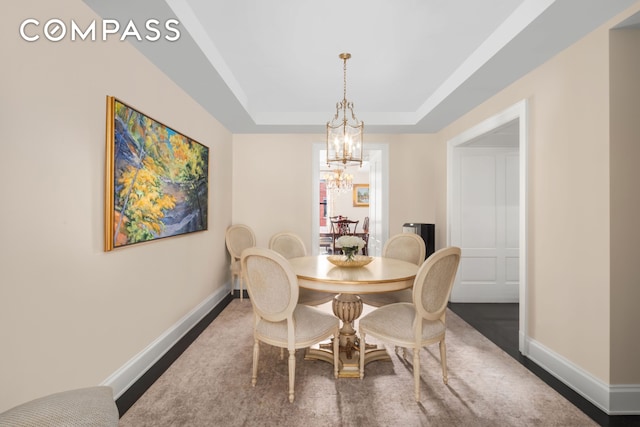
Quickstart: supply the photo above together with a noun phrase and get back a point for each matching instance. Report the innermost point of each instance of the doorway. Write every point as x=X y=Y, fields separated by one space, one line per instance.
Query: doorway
x=376 y=159
x=486 y=211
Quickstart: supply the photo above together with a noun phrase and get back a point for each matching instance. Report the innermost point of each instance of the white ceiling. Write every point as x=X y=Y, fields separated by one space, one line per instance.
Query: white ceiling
x=265 y=66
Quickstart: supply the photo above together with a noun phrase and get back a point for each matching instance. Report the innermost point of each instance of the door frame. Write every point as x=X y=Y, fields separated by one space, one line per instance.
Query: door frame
x=383 y=191
x=517 y=111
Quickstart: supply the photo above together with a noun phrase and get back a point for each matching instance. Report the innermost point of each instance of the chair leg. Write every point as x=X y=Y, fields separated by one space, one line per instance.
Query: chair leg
x=240 y=277
x=416 y=372
x=292 y=373
x=363 y=347
x=336 y=353
x=233 y=281
x=443 y=361
x=256 y=354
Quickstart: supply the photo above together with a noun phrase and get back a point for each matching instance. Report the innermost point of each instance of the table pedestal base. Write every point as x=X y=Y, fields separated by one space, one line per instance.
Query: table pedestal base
x=347 y=307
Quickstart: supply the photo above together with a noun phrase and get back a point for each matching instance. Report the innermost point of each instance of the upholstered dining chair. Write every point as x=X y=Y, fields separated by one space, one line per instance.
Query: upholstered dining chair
x=404 y=246
x=82 y=407
x=422 y=322
x=290 y=245
x=238 y=237
x=278 y=318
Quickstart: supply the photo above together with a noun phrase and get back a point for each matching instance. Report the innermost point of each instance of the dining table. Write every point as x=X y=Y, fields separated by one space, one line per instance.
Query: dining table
x=380 y=275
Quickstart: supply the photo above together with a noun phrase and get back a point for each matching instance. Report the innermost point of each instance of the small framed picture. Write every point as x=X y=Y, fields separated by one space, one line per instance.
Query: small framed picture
x=361 y=195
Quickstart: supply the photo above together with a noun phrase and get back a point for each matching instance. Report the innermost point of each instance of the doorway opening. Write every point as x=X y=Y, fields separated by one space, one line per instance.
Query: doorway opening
x=374 y=176
x=487 y=212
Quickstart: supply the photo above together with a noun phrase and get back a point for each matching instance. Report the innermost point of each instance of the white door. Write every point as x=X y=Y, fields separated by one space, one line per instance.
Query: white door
x=485 y=224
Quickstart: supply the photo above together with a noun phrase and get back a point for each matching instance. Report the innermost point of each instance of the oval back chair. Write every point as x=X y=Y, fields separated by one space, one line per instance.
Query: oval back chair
x=407 y=247
x=290 y=245
x=237 y=238
x=422 y=322
x=278 y=318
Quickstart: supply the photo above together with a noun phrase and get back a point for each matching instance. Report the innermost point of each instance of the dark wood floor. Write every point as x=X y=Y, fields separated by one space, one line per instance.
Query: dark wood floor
x=499 y=323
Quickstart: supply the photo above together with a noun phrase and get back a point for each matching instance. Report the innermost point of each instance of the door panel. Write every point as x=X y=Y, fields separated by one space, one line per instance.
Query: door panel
x=485 y=224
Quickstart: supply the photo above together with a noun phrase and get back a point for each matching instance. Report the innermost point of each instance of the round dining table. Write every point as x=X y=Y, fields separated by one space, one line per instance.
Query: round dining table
x=380 y=275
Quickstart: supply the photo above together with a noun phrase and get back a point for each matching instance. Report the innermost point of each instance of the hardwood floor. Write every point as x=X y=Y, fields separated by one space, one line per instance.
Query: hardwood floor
x=499 y=323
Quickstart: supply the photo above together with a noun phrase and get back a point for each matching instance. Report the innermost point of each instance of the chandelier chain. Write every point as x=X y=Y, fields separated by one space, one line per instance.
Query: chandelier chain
x=344 y=93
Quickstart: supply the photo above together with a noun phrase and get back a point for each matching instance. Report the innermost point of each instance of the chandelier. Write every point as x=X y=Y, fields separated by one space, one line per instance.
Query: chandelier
x=339 y=181
x=344 y=133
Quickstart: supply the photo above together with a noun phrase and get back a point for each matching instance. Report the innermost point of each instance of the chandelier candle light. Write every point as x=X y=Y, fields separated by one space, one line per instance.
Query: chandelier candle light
x=344 y=133
x=339 y=181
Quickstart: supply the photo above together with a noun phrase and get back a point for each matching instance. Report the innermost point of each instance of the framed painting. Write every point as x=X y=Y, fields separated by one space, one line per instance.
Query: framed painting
x=361 y=195
x=157 y=179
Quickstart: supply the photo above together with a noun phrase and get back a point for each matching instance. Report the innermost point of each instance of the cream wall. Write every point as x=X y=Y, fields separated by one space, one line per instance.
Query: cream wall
x=71 y=314
x=625 y=205
x=569 y=212
x=414 y=161
x=273 y=182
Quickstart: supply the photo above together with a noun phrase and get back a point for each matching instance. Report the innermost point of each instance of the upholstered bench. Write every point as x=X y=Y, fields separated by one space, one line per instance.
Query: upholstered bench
x=92 y=406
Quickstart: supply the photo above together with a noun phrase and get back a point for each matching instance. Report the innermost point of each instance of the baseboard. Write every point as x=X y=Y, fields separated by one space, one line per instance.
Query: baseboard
x=147 y=362
x=612 y=399
x=624 y=400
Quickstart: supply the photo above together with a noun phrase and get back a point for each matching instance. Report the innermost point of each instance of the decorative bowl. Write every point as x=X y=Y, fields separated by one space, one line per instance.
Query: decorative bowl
x=341 y=260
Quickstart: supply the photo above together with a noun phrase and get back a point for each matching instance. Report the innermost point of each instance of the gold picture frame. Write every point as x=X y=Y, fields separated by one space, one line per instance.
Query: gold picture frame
x=157 y=179
x=361 y=195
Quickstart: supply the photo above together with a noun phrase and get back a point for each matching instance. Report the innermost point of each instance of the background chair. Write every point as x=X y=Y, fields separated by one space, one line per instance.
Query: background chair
x=278 y=318
x=290 y=245
x=405 y=246
x=365 y=237
x=238 y=237
x=342 y=227
x=417 y=324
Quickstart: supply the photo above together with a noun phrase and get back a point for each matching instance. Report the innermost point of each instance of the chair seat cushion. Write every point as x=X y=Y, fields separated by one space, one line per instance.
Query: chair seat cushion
x=394 y=323
x=312 y=325
x=92 y=406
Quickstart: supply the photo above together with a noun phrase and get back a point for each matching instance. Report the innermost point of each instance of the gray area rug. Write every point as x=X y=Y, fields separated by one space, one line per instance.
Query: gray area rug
x=210 y=385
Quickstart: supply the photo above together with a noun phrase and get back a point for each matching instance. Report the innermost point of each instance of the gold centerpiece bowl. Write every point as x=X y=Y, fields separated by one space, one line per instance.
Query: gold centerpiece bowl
x=342 y=261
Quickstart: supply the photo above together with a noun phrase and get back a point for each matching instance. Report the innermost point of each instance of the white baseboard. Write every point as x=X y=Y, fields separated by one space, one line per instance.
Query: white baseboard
x=624 y=400
x=612 y=399
x=127 y=375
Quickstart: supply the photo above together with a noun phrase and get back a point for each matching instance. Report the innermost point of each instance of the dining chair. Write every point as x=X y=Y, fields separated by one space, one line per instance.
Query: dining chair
x=290 y=245
x=408 y=247
x=81 y=407
x=237 y=238
x=365 y=236
x=342 y=227
x=422 y=322
x=278 y=318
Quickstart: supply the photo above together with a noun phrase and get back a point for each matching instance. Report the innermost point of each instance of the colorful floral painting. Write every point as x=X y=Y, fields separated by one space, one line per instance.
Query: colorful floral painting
x=157 y=179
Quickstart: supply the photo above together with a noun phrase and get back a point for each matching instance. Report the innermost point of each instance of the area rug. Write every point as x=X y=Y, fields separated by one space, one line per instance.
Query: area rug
x=210 y=385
